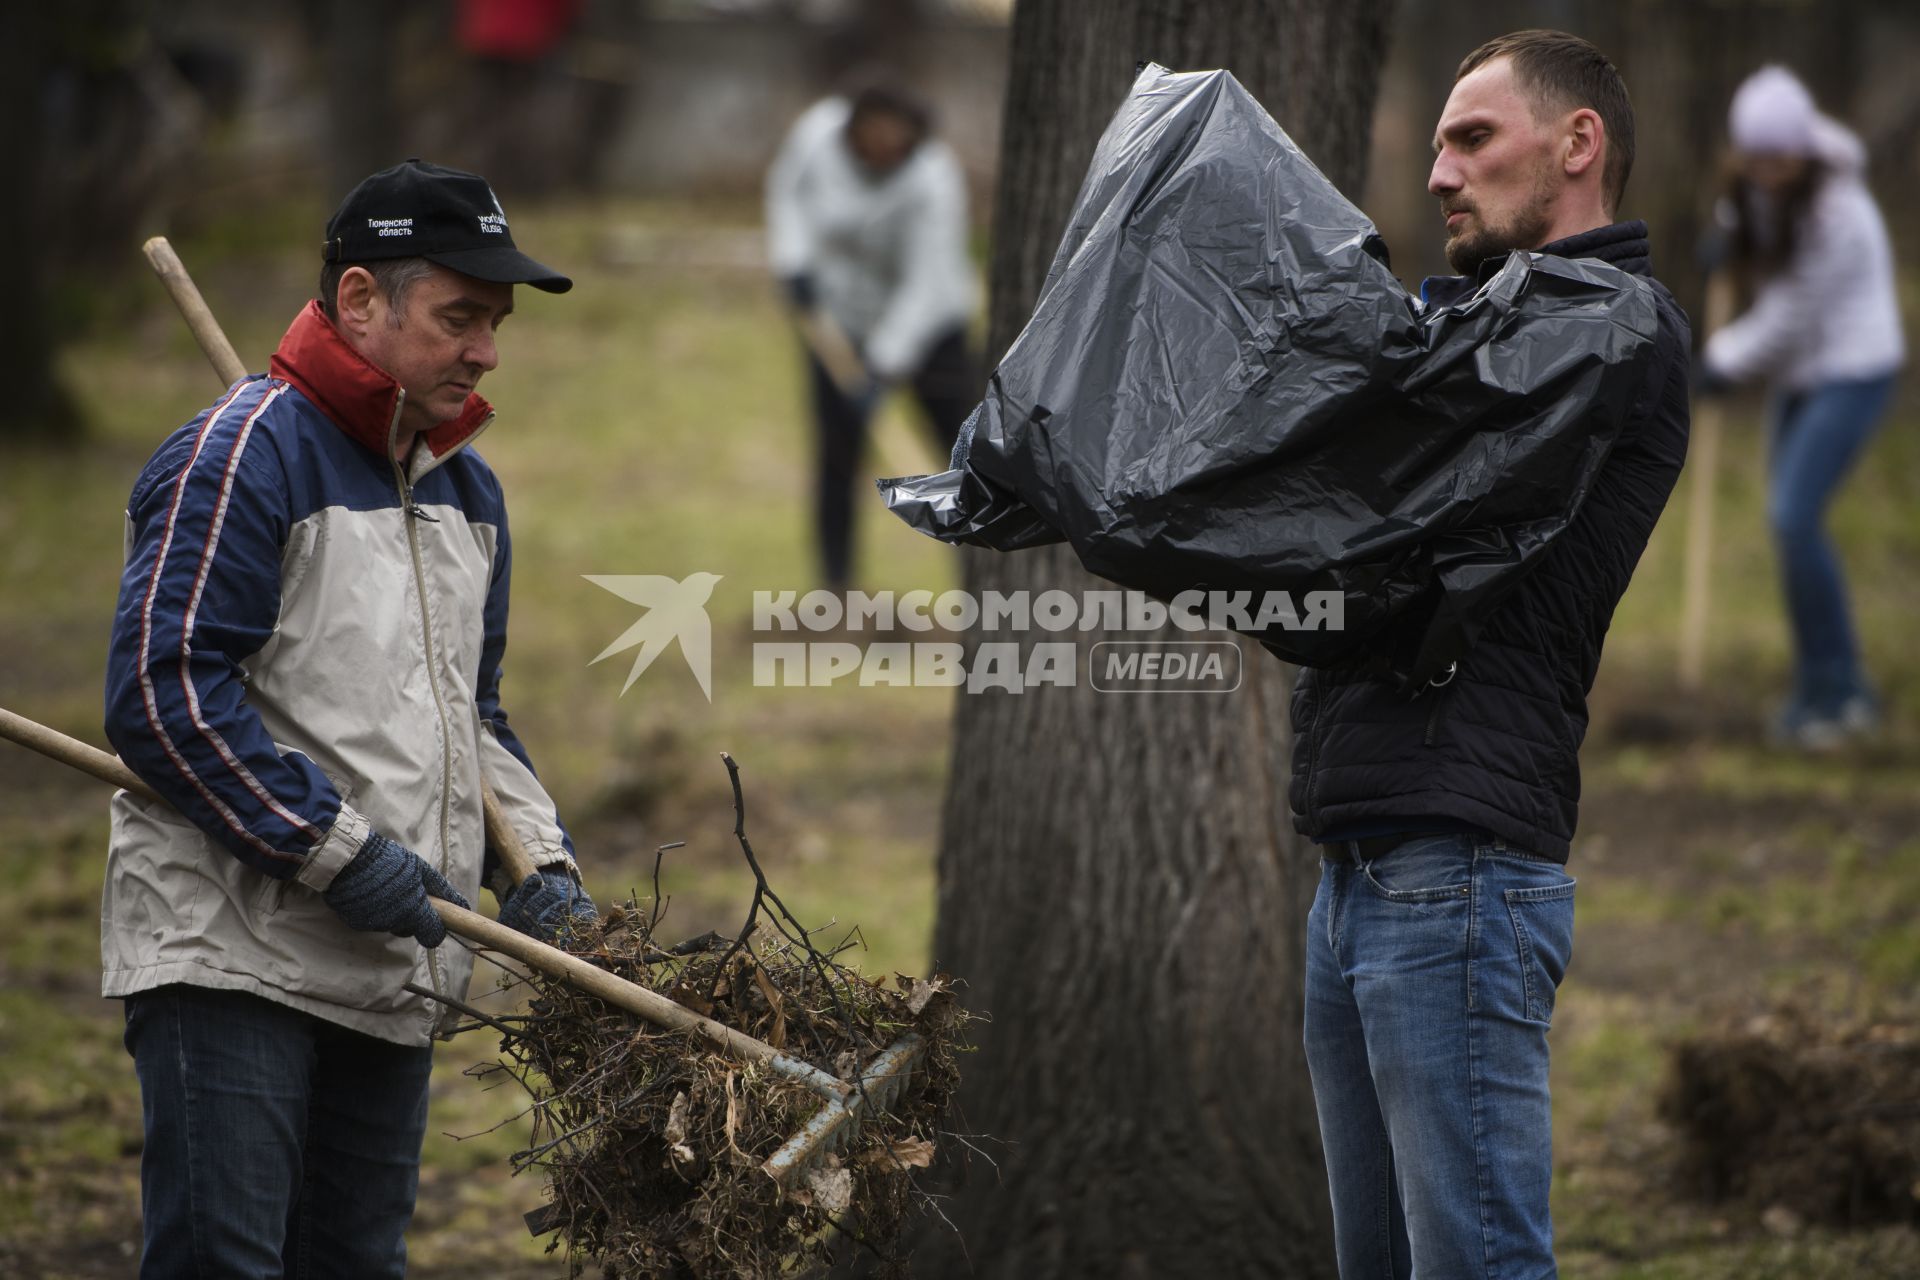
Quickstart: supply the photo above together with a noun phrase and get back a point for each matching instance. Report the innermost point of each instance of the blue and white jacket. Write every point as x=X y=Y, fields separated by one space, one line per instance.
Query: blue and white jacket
x=306 y=649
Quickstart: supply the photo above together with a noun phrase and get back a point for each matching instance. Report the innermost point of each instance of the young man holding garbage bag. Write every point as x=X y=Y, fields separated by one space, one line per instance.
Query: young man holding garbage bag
x=305 y=663
x=1473 y=473
x=1444 y=917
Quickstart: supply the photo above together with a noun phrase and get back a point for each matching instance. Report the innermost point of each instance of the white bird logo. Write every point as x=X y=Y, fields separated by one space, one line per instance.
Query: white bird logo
x=675 y=611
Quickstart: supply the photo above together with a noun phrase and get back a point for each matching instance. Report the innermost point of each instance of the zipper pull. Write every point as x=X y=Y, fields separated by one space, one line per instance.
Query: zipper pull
x=1432 y=736
x=418 y=512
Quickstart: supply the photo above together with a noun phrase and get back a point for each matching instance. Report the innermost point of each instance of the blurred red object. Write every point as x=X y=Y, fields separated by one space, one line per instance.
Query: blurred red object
x=513 y=30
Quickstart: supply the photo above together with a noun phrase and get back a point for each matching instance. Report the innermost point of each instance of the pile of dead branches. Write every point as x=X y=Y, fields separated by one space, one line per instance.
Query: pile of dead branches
x=652 y=1141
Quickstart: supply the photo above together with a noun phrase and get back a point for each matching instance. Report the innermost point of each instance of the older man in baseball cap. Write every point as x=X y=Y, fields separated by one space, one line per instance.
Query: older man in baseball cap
x=305 y=663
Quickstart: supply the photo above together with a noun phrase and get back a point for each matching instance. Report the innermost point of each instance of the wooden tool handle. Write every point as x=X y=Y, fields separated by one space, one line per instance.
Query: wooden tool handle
x=199 y=317
x=502 y=838
x=1703 y=465
x=109 y=769
x=834 y=350
x=71 y=751
x=585 y=976
x=572 y=970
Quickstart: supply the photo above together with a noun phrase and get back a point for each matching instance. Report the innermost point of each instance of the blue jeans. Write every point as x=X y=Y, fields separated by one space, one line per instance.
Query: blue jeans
x=1817 y=435
x=276 y=1144
x=1431 y=974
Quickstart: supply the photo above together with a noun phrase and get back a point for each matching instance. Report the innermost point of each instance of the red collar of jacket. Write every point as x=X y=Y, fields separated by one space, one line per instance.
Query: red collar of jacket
x=357 y=395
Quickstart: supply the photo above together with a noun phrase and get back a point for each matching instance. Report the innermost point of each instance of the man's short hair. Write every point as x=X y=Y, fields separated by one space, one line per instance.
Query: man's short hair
x=1562 y=72
x=391 y=276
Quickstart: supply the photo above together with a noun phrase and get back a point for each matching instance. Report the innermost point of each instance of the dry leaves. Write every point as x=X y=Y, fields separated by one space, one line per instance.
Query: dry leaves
x=831 y=1188
x=921 y=991
x=653 y=1144
x=914 y=1153
x=676 y=1131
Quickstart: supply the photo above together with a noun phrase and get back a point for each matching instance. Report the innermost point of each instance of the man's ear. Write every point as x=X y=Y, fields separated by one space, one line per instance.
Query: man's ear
x=1585 y=142
x=359 y=304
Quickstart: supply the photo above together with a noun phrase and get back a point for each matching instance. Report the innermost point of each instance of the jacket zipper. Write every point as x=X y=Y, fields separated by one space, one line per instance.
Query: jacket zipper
x=411 y=515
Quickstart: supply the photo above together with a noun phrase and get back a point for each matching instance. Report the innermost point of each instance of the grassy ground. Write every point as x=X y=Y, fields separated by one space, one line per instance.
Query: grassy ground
x=650 y=424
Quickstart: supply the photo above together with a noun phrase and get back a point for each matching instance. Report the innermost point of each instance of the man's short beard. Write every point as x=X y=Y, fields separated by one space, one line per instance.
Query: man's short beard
x=1528 y=230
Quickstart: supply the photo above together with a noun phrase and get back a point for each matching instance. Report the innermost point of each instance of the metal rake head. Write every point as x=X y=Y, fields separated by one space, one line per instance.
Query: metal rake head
x=880 y=1086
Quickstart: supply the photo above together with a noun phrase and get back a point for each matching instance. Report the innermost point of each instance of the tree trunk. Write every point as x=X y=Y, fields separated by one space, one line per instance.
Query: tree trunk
x=1120 y=885
x=365 y=131
x=35 y=403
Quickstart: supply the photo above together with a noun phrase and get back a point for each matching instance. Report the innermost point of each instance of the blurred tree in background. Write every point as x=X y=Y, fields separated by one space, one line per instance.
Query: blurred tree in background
x=35 y=402
x=1119 y=882
x=358 y=40
x=126 y=117
x=92 y=120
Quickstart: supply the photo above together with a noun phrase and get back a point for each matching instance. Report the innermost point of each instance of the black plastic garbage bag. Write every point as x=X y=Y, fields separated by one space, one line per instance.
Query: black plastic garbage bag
x=1223 y=387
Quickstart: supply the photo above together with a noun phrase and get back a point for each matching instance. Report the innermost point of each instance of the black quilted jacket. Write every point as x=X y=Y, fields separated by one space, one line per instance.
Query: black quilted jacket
x=1496 y=748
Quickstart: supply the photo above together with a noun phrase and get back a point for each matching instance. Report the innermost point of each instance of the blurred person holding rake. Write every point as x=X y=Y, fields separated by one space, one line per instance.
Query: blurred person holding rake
x=867 y=233
x=1806 y=242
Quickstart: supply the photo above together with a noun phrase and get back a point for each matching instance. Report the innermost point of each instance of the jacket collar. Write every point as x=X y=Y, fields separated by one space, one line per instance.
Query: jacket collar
x=361 y=398
x=1621 y=244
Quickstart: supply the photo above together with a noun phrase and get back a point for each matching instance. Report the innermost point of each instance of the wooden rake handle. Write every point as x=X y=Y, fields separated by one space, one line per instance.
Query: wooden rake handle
x=502 y=838
x=55 y=745
x=471 y=925
x=834 y=350
x=206 y=330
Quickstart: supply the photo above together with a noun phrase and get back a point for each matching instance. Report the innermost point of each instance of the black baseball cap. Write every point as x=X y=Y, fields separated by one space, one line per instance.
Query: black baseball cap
x=421 y=210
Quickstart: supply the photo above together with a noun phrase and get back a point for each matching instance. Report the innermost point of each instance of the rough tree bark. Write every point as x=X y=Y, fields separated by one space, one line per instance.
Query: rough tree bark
x=1119 y=882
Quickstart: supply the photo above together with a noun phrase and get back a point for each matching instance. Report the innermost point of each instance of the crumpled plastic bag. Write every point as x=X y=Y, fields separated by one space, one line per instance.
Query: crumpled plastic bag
x=1224 y=387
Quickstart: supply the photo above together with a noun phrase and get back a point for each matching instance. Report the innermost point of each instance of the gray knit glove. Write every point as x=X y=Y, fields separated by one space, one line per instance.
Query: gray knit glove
x=548 y=903
x=385 y=890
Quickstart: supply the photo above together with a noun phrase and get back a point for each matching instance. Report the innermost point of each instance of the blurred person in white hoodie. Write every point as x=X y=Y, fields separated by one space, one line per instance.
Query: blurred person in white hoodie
x=1805 y=239
x=867 y=233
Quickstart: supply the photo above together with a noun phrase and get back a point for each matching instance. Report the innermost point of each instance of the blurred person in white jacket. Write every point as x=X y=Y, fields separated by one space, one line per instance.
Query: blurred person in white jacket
x=867 y=233
x=1805 y=238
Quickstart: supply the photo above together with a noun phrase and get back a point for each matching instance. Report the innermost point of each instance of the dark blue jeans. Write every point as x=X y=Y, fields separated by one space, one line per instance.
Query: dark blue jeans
x=277 y=1144
x=1816 y=438
x=1431 y=974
